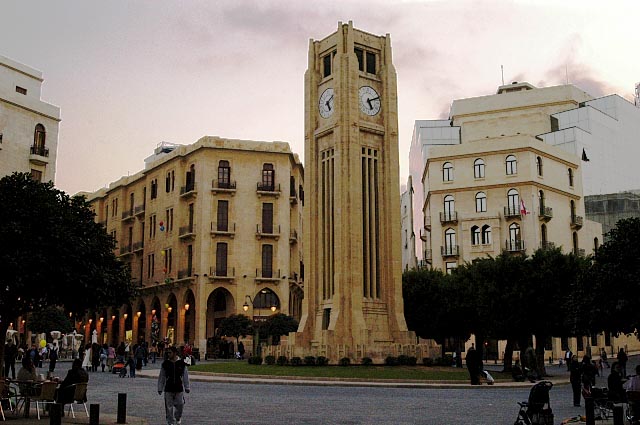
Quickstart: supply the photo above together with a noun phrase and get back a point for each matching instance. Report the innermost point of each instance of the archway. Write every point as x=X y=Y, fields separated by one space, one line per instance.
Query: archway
x=220 y=304
x=141 y=313
x=156 y=310
x=172 y=318
x=114 y=336
x=127 y=315
x=189 y=317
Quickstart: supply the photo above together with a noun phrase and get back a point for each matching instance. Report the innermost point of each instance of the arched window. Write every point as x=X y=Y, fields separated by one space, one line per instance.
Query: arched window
x=570 y=172
x=512 y=165
x=539 y=165
x=478 y=168
x=475 y=235
x=541 y=198
x=449 y=207
x=39 y=139
x=572 y=207
x=449 y=240
x=575 y=242
x=596 y=244
x=268 y=177
x=514 y=232
x=224 y=174
x=486 y=234
x=481 y=202
x=513 y=202
x=447 y=172
x=266 y=299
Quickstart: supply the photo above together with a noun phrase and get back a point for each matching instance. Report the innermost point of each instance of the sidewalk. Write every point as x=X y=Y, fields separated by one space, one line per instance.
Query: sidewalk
x=81 y=418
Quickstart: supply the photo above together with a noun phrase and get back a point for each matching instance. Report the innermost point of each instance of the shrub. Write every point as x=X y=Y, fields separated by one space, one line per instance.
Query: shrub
x=322 y=361
x=345 y=361
x=412 y=361
x=296 y=361
x=391 y=361
x=310 y=361
x=257 y=360
x=427 y=361
x=403 y=360
x=281 y=360
x=270 y=360
x=447 y=360
x=366 y=361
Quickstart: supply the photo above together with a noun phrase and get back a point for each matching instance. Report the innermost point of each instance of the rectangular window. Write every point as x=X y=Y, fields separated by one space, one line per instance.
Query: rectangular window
x=36 y=175
x=554 y=124
x=21 y=90
x=450 y=266
x=152 y=226
x=169 y=219
x=167 y=183
x=223 y=216
x=326 y=66
x=189 y=259
x=221 y=259
x=154 y=188
x=267 y=260
x=168 y=260
x=326 y=317
x=267 y=218
x=371 y=63
x=151 y=263
x=360 y=56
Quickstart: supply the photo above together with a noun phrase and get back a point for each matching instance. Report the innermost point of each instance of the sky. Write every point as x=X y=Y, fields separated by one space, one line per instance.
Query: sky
x=129 y=74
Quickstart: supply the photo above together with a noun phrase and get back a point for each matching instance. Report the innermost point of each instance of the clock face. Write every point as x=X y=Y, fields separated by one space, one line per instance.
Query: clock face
x=369 y=100
x=325 y=103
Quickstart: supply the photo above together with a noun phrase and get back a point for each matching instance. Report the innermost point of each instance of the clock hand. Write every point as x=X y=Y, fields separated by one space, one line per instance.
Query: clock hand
x=369 y=102
x=374 y=98
x=328 y=104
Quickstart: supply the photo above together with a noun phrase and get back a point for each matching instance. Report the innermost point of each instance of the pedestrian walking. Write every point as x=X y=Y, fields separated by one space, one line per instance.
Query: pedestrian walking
x=10 y=355
x=568 y=356
x=174 y=381
x=603 y=358
x=575 y=377
x=111 y=357
x=622 y=360
x=53 y=357
x=473 y=365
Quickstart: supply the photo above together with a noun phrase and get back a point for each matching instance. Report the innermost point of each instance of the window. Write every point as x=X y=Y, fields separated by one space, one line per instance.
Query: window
x=21 y=90
x=450 y=265
x=189 y=260
x=570 y=171
x=539 y=165
x=486 y=234
x=190 y=179
x=513 y=201
x=514 y=232
x=326 y=318
x=223 y=216
x=572 y=208
x=596 y=244
x=543 y=234
x=168 y=260
x=371 y=63
x=366 y=60
x=154 y=188
x=170 y=181
x=169 y=219
x=512 y=165
x=151 y=260
x=267 y=217
x=478 y=168
x=221 y=259
x=447 y=172
x=292 y=187
x=224 y=174
x=36 y=175
x=360 y=56
x=268 y=177
x=191 y=212
x=39 y=139
x=152 y=226
x=326 y=65
x=475 y=235
x=449 y=240
x=574 y=239
x=481 y=202
x=267 y=260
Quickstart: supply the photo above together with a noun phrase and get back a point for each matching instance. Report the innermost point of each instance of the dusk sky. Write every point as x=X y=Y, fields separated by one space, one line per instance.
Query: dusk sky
x=130 y=74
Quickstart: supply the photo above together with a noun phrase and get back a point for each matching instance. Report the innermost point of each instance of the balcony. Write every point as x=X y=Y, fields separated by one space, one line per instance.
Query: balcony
x=293 y=236
x=512 y=212
x=580 y=252
x=138 y=247
x=226 y=275
x=423 y=235
x=39 y=155
x=267 y=232
x=546 y=213
x=188 y=191
x=293 y=196
x=187 y=232
x=427 y=223
x=268 y=276
x=223 y=229
x=268 y=189
x=546 y=245
x=125 y=250
x=576 y=221
x=223 y=186
x=139 y=210
x=450 y=251
x=449 y=217
x=128 y=215
x=514 y=245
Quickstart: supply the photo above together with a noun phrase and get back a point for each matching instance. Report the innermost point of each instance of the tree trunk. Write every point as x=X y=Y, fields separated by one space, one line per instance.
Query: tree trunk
x=508 y=355
x=3 y=331
x=540 y=339
x=523 y=343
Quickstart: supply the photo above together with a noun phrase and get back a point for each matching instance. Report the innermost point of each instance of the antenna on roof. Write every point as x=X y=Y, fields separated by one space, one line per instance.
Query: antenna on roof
x=502 y=71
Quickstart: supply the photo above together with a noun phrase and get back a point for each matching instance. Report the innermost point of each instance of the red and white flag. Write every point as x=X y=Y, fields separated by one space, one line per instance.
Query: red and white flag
x=523 y=209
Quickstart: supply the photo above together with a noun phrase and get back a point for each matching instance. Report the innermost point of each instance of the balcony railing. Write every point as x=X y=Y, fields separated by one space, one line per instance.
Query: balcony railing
x=546 y=213
x=514 y=245
x=139 y=210
x=576 y=221
x=127 y=215
x=293 y=236
x=272 y=232
x=450 y=250
x=512 y=211
x=427 y=223
x=187 y=231
x=428 y=255
x=223 y=229
x=270 y=189
x=223 y=186
x=188 y=190
x=423 y=235
x=40 y=151
x=222 y=273
x=448 y=217
x=185 y=273
x=138 y=246
x=125 y=250
x=547 y=245
x=268 y=275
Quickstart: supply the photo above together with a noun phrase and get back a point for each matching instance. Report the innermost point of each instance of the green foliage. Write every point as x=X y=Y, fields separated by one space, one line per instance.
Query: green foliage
x=236 y=326
x=296 y=361
x=366 y=361
x=255 y=360
x=345 y=361
x=412 y=361
x=276 y=326
x=54 y=253
x=446 y=360
x=270 y=360
x=282 y=360
x=51 y=318
x=391 y=361
x=322 y=361
x=310 y=361
x=427 y=361
x=403 y=360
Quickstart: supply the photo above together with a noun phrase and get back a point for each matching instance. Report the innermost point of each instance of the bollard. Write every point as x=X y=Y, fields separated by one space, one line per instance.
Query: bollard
x=94 y=414
x=122 y=408
x=55 y=414
x=589 y=408
x=618 y=414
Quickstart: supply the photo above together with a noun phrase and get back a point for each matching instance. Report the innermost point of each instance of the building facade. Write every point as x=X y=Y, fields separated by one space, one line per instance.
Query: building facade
x=209 y=230
x=409 y=259
x=28 y=125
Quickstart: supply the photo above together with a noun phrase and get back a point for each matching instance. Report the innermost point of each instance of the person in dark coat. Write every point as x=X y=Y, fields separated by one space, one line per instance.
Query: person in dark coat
x=76 y=375
x=622 y=360
x=617 y=393
x=173 y=380
x=473 y=365
x=575 y=377
x=10 y=354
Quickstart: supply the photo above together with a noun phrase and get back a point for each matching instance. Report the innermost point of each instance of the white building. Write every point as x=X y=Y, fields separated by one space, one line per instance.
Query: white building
x=28 y=125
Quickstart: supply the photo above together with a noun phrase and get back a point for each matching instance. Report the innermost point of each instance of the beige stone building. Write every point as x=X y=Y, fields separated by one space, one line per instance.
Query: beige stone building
x=206 y=228
x=28 y=125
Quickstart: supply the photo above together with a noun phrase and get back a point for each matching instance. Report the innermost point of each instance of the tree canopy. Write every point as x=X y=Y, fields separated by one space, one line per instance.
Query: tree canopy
x=236 y=326
x=53 y=253
x=51 y=318
x=276 y=326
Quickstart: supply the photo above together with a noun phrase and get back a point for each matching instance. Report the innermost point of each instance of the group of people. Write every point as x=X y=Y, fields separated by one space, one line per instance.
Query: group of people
x=13 y=353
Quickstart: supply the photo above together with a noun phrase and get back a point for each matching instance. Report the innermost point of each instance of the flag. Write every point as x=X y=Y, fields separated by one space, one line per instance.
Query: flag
x=523 y=209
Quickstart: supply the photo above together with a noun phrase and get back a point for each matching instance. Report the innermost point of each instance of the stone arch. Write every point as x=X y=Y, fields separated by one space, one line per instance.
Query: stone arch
x=141 y=321
x=171 y=306
x=220 y=304
x=189 y=305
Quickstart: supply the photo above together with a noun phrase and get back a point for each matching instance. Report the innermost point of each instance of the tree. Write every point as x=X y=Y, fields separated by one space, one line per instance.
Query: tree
x=236 y=326
x=53 y=253
x=276 y=326
x=51 y=318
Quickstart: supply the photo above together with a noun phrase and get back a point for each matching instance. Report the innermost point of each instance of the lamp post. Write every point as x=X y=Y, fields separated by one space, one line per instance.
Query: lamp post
x=256 y=332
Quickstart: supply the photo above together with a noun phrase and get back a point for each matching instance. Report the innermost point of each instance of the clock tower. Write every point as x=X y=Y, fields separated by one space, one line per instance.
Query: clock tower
x=353 y=304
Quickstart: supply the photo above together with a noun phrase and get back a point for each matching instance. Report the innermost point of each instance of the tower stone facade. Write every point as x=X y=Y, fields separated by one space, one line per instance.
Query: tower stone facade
x=353 y=304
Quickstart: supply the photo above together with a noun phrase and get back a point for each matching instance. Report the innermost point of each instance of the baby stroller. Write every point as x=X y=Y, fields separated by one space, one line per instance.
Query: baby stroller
x=602 y=404
x=536 y=410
